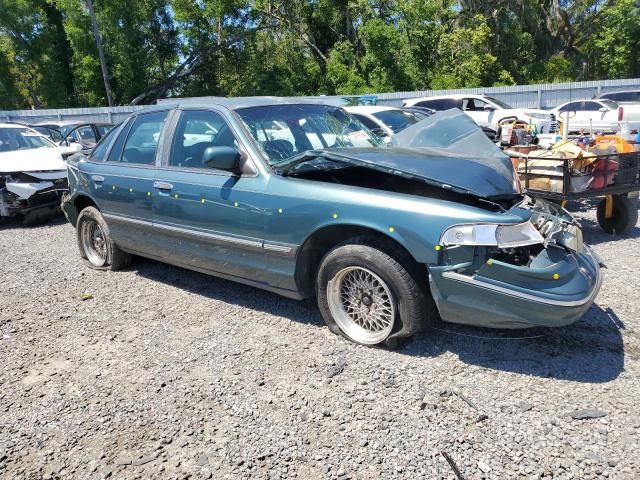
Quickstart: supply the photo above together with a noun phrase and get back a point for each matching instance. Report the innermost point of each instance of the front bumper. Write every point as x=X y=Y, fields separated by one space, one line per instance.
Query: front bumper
x=555 y=291
x=12 y=204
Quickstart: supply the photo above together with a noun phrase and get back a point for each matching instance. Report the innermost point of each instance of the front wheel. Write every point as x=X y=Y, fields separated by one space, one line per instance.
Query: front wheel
x=97 y=248
x=370 y=297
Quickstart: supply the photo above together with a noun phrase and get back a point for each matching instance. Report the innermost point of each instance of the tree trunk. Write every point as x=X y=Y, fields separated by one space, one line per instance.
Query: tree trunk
x=103 y=60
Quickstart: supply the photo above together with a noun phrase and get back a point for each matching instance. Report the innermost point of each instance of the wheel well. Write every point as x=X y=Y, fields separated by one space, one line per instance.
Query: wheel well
x=322 y=241
x=80 y=203
x=83 y=202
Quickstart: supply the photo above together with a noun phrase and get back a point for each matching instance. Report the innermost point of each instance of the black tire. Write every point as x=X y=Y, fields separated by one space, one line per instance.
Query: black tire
x=114 y=258
x=407 y=282
x=625 y=214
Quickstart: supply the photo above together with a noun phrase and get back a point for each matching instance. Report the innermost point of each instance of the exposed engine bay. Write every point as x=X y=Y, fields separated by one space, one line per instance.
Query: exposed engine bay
x=559 y=235
x=365 y=177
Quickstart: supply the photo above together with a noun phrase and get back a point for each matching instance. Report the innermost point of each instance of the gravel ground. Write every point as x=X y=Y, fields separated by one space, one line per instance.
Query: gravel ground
x=163 y=373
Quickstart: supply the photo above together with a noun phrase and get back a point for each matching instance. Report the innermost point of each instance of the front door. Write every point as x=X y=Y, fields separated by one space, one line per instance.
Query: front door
x=208 y=218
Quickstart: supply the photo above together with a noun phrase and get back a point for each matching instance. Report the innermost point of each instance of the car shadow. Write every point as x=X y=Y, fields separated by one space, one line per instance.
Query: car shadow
x=590 y=350
x=227 y=291
x=46 y=220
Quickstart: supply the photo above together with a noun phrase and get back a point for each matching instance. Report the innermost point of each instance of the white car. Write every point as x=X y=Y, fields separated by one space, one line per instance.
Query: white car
x=33 y=173
x=487 y=111
x=383 y=121
x=599 y=116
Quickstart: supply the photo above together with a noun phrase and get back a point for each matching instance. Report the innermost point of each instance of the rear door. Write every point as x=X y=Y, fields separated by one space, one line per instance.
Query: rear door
x=123 y=186
x=576 y=116
x=204 y=217
x=474 y=107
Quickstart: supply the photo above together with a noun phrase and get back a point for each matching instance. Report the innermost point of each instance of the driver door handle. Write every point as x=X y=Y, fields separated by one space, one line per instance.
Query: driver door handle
x=162 y=185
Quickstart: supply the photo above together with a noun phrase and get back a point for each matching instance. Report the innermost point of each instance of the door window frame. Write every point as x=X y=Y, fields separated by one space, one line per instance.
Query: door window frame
x=170 y=131
x=126 y=131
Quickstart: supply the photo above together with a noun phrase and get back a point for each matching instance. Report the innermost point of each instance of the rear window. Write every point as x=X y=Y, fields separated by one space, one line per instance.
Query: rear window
x=396 y=120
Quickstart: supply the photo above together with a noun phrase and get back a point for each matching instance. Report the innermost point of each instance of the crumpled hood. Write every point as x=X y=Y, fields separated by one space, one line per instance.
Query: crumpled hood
x=32 y=160
x=447 y=149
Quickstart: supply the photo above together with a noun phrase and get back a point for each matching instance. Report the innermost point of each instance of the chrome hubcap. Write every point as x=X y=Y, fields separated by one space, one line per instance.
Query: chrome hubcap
x=362 y=305
x=94 y=243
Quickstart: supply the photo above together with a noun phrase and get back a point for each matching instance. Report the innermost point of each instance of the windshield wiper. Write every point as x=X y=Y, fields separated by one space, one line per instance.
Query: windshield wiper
x=285 y=166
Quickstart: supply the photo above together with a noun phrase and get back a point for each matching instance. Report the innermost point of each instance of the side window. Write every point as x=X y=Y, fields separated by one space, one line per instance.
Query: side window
x=591 y=106
x=85 y=134
x=97 y=154
x=104 y=129
x=473 y=105
x=142 y=142
x=440 y=104
x=198 y=130
x=116 y=150
x=572 y=107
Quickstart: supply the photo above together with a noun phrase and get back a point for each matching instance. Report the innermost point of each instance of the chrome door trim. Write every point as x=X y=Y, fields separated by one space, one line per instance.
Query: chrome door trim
x=122 y=219
x=216 y=237
x=280 y=249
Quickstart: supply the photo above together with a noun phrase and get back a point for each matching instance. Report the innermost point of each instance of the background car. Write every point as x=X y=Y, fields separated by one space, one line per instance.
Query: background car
x=622 y=97
x=385 y=121
x=33 y=174
x=68 y=132
x=599 y=115
x=487 y=111
x=380 y=237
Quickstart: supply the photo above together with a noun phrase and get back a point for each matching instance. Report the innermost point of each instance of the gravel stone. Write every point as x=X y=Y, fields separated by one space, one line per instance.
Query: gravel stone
x=224 y=381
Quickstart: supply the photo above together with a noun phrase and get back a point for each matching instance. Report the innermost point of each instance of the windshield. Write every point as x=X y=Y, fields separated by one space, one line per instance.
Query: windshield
x=20 y=138
x=500 y=103
x=284 y=131
x=396 y=120
x=609 y=103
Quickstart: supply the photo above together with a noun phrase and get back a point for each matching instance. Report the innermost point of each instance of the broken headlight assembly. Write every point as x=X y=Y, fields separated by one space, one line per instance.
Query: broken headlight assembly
x=492 y=235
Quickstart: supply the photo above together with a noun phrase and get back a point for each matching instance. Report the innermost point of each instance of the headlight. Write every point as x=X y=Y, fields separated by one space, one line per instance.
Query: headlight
x=539 y=116
x=502 y=236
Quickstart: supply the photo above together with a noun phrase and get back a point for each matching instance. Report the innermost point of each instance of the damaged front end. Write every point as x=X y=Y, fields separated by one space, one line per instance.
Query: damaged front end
x=29 y=193
x=535 y=273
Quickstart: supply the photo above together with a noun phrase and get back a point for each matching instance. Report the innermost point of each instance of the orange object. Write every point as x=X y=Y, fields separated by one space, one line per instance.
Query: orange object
x=619 y=143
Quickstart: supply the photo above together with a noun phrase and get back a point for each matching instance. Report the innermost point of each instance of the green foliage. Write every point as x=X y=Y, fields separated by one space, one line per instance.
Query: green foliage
x=155 y=48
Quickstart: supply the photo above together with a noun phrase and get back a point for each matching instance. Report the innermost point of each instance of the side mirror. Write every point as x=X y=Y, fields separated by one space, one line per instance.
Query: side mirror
x=221 y=158
x=603 y=109
x=379 y=132
x=489 y=108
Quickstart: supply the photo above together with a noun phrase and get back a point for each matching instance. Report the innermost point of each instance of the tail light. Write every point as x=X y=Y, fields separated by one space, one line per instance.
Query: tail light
x=620 y=113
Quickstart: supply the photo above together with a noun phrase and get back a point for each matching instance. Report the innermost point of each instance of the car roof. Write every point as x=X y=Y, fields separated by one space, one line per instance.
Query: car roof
x=12 y=125
x=617 y=91
x=244 y=102
x=369 y=109
x=444 y=97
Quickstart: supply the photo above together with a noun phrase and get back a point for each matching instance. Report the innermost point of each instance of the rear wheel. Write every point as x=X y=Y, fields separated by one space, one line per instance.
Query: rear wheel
x=624 y=214
x=95 y=243
x=370 y=297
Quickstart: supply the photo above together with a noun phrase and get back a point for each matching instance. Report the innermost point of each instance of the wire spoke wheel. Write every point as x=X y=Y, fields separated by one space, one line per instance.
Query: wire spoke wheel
x=361 y=304
x=94 y=243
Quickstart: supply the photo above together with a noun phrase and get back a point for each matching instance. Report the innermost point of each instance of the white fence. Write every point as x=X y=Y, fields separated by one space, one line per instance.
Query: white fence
x=533 y=96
